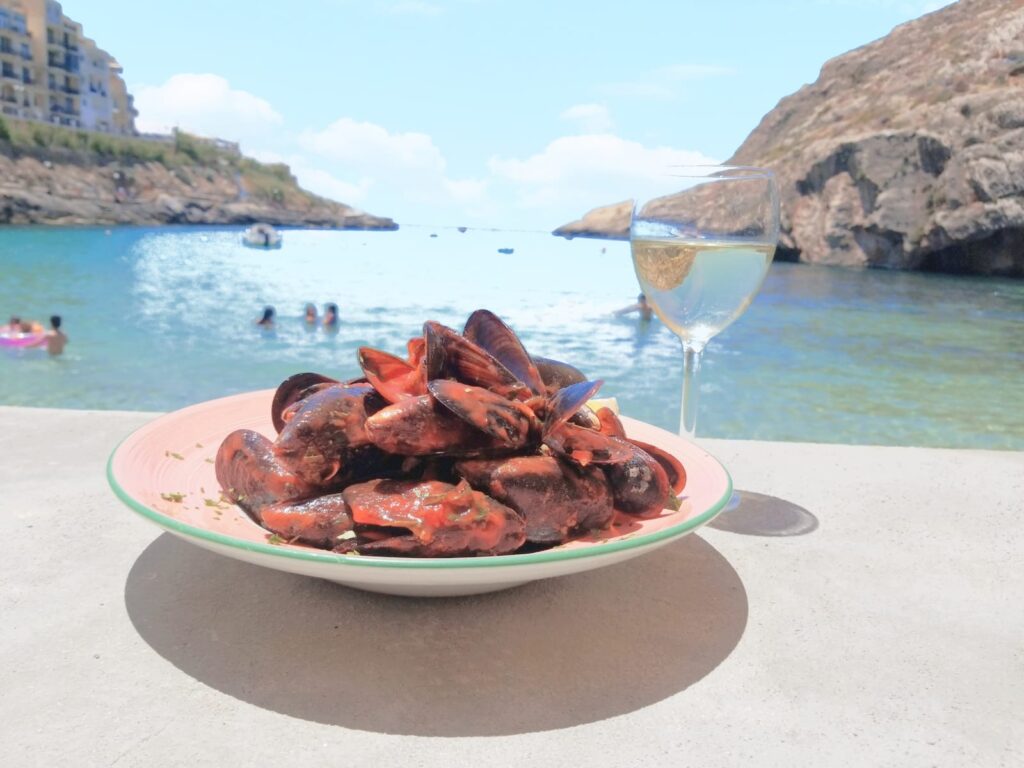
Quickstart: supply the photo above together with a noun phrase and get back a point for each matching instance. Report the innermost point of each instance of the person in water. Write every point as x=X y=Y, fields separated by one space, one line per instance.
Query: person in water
x=310 y=314
x=330 y=316
x=267 y=321
x=56 y=339
x=641 y=306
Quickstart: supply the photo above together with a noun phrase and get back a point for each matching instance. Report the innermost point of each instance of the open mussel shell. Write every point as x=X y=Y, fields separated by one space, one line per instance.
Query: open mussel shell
x=487 y=330
x=556 y=374
x=293 y=389
x=508 y=421
x=450 y=355
x=392 y=377
x=567 y=401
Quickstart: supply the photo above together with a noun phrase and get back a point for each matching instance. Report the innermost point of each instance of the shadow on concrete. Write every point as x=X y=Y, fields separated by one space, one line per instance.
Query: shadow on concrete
x=756 y=514
x=551 y=654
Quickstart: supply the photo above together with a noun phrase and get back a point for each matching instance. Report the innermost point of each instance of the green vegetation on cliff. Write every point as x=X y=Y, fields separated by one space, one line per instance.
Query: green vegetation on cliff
x=184 y=155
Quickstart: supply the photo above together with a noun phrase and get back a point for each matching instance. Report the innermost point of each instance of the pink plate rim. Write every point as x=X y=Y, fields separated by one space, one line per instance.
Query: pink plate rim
x=596 y=549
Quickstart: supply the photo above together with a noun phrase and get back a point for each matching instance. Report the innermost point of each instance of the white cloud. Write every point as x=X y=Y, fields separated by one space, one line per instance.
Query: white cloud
x=204 y=104
x=371 y=147
x=579 y=172
x=408 y=164
x=320 y=182
x=592 y=118
x=404 y=173
x=316 y=179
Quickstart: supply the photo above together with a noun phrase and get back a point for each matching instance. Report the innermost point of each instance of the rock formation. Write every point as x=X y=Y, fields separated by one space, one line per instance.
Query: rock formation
x=906 y=153
x=77 y=189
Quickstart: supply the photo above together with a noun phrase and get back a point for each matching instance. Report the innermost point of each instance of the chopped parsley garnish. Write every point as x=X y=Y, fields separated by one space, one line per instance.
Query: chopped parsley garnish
x=175 y=497
x=275 y=540
x=482 y=513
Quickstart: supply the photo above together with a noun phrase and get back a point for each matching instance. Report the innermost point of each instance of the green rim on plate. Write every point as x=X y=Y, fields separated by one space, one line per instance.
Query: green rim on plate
x=628 y=541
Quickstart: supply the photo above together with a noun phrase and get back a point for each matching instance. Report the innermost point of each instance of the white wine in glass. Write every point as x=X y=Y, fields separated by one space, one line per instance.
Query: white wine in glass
x=702 y=244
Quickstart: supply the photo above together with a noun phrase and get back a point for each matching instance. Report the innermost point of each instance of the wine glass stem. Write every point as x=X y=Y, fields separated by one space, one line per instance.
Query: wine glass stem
x=688 y=409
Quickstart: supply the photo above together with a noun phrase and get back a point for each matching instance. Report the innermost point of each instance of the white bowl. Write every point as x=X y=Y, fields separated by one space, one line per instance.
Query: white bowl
x=165 y=472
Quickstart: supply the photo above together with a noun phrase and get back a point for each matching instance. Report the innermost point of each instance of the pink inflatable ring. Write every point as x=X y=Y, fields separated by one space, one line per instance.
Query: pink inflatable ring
x=11 y=337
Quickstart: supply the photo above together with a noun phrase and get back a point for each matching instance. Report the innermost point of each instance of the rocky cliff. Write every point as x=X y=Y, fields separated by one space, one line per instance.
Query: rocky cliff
x=906 y=153
x=50 y=175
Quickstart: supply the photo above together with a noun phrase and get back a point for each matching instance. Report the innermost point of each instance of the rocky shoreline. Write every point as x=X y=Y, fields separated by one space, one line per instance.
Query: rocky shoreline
x=906 y=153
x=72 y=189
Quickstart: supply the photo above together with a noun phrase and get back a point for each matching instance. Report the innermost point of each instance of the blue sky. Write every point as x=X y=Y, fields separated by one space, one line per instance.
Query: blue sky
x=497 y=113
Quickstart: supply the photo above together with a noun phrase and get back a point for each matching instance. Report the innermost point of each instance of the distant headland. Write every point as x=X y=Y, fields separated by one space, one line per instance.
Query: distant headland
x=65 y=176
x=906 y=153
x=70 y=153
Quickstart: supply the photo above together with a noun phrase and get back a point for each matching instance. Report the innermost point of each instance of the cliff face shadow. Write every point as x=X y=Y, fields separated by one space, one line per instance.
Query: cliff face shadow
x=756 y=514
x=547 y=655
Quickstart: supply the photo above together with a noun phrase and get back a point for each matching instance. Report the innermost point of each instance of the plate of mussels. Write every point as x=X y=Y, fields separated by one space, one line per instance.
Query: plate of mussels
x=462 y=465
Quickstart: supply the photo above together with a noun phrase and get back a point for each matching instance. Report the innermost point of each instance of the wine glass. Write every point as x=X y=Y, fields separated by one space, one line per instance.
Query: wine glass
x=702 y=239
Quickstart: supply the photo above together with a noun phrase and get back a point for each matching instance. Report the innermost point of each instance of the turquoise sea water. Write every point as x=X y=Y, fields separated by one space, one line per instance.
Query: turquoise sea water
x=160 y=318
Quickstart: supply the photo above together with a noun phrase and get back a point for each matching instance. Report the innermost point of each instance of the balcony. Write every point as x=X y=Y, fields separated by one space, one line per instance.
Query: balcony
x=69 y=64
x=58 y=109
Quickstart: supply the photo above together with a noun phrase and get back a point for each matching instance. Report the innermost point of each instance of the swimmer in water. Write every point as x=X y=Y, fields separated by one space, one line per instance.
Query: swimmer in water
x=56 y=339
x=641 y=306
x=267 y=321
x=330 y=315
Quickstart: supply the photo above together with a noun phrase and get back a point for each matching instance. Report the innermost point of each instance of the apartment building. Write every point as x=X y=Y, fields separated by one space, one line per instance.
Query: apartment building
x=50 y=71
x=122 y=104
x=19 y=92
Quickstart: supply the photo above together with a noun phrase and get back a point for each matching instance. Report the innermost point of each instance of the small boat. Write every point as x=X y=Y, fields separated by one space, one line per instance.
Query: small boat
x=462 y=229
x=261 y=236
x=505 y=250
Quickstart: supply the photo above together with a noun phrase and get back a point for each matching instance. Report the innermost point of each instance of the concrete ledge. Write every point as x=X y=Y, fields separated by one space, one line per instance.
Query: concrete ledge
x=861 y=606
